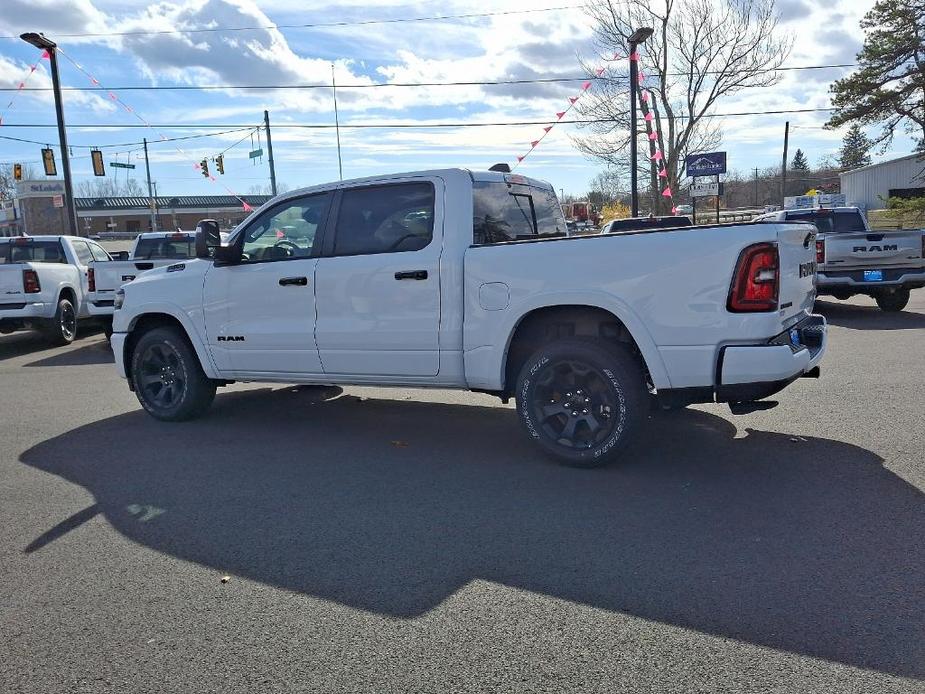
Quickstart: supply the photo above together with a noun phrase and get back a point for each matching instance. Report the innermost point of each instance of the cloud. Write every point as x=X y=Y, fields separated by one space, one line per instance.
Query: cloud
x=51 y=17
x=792 y=10
x=841 y=46
x=12 y=72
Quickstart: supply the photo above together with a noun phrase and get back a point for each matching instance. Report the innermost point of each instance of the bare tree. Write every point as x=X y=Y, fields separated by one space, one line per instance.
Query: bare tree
x=8 y=182
x=109 y=188
x=700 y=52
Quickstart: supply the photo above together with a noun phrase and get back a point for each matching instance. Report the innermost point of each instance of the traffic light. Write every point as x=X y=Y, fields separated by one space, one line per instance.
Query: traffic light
x=97 y=157
x=17 y=172
x=48 y=159
x=220 y=163
x=204 y=167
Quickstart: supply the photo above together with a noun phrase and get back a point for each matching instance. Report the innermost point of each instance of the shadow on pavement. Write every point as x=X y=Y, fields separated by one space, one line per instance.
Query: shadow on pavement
x=22 y=343
x=868 y=317
x=805 y=545
x=96 y=352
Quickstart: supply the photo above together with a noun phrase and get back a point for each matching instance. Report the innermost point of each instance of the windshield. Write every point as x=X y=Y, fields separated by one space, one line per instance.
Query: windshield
x=514 y=212
x=173 y=248
x=29 y=251
x=829 y=221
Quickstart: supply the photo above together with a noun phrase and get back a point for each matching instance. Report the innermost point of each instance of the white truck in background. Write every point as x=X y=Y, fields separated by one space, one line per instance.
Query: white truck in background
x=44 y=284
x=150 y=250
x=468 y=280
x=852 y=258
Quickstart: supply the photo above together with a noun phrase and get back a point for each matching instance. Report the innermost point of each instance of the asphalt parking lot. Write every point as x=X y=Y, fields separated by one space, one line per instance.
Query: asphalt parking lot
x=391 y=541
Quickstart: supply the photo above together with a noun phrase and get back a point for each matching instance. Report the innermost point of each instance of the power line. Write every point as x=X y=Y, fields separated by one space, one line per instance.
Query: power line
x=122 y=144
x=375 y=85
x=421 y=126
x=319 y=25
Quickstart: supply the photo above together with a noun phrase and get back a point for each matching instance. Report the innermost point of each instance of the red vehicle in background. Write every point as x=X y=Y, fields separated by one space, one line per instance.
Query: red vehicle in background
x=583 y=213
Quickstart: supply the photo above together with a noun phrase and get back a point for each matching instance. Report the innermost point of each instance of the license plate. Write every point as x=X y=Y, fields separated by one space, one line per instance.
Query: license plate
x=873 y=275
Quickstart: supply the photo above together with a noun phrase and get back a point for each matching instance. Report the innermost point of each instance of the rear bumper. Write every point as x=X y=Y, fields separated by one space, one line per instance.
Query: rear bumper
x=912 y=278
x=101 y=305
x=745 y=373
x=21 y=311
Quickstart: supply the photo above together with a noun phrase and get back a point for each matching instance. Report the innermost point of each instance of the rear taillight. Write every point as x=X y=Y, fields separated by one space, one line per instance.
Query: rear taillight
x=30 y=282
x=91 y=280
x=756 y=282
x=820 y=251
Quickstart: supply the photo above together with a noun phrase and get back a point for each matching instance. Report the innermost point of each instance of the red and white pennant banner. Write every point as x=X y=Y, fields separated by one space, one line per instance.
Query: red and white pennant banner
x=648 y=100
x=572 y=100
x=128 y=109
x=22 y=84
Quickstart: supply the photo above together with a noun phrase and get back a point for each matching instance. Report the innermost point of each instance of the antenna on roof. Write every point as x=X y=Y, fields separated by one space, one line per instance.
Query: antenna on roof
x=503 y=168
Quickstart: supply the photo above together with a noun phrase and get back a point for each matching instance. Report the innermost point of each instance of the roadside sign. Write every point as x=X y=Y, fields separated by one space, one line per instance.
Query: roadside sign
x=703 y=190
x=706 y=164
x=255 y=153
x=57 y=200
x=120 y=165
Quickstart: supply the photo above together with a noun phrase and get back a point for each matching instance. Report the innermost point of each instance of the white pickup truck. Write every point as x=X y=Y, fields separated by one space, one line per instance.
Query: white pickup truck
x=151 y=250
x=467 y=280
x=854 y=259
x=44 y=283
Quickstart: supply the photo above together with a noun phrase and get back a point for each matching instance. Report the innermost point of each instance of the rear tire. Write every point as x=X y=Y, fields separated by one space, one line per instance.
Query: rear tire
x=581 y=400
x=893 y=302
x=62 y=329
x=168 y=378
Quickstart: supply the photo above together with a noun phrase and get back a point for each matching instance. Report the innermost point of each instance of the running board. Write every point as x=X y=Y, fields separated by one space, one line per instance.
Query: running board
x=754 y=406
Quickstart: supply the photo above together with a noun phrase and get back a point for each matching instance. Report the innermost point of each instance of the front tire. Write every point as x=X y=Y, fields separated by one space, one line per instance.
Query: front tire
x=62 y=329
x=168 y=378
x=893 y=302
x=581 y=400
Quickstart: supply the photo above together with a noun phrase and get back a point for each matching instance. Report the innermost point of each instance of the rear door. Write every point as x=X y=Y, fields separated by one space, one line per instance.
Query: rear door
x=377 y=288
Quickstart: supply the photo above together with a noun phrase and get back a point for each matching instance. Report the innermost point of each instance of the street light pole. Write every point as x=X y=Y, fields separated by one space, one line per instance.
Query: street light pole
x=45 y=44
x=636 y=38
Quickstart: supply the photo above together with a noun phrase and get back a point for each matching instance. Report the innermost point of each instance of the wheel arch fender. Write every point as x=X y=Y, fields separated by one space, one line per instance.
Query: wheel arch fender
x=619 y=309
x=161 y=314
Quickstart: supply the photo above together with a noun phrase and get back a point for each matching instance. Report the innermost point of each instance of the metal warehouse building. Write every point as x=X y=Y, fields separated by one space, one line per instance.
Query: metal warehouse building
x=870 y=186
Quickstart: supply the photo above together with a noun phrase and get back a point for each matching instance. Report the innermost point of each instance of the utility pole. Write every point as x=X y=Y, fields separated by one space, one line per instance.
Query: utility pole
x=783 y=178
x=39 y=41
x=756 y=186
x=266 y=123
x=150 y=193
x=340 y=167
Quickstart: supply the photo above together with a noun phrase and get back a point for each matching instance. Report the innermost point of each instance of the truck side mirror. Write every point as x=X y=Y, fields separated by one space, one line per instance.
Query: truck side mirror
x=208 y=238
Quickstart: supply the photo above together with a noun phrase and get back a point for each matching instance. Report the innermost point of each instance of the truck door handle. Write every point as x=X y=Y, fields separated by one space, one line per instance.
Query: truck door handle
x=296 y=281
x=411 y=275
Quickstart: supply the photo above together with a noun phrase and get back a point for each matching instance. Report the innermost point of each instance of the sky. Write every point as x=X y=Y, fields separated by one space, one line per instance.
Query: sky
x=531 y=40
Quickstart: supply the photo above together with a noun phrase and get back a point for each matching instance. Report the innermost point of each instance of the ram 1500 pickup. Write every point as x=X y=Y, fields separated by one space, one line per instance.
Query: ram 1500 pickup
x=468 y=280
x=44 y=283
x=151 y=250
x=852 y=258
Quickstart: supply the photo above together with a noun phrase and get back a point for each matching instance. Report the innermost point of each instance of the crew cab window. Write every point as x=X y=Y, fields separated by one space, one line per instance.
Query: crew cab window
x=99 y=255
x=828 y=221
x=287 y=231
x=82 y=250
x=385 y=219
x=181 y=247
x=29 y=251
x=514 y=211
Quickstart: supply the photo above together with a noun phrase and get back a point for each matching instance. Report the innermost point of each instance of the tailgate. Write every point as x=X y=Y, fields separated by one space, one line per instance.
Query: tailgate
x=796 y=244
x=110 y=275
x=875 y=249
x=11 y=282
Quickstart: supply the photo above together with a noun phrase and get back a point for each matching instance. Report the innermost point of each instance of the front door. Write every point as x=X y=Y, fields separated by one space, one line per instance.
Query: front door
x=377 y=286
x=260 y=313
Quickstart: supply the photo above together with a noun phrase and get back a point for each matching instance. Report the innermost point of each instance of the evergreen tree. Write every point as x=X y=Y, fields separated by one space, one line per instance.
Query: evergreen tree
x=855 y=149
x=799 y=162
x=887 y=88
